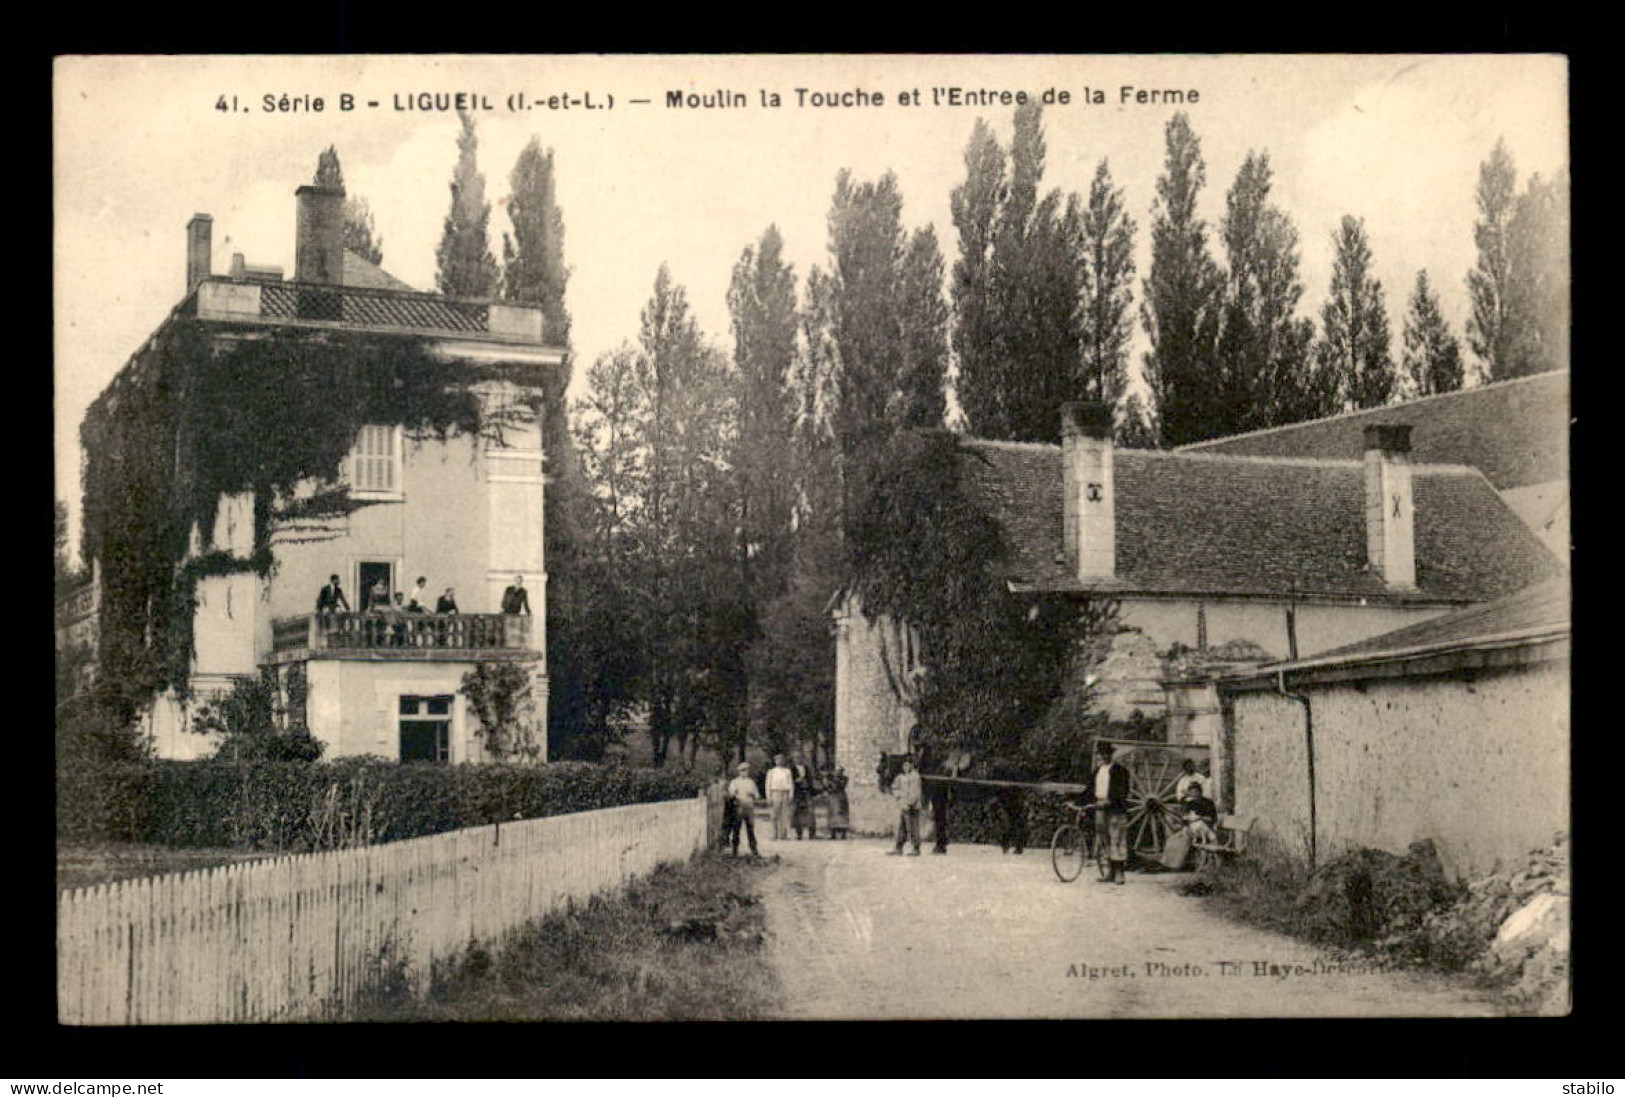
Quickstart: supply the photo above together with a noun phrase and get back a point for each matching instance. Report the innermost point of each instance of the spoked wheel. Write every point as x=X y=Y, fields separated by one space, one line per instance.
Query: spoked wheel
x=1069 y=850
x=1153 y=812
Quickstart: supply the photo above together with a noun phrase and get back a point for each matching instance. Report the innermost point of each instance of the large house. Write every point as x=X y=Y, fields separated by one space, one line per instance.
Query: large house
x=459 y=504
x=1515 y=432
x=1275 y=556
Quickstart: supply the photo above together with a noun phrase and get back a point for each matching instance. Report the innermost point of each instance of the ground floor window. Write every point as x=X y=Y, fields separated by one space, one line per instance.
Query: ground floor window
x=425 y=729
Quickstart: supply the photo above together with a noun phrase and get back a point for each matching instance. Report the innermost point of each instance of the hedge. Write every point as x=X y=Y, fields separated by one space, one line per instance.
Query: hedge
x=300 y=806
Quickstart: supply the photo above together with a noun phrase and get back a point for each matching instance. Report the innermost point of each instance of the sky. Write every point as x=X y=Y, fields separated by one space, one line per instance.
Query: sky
x=140 y=145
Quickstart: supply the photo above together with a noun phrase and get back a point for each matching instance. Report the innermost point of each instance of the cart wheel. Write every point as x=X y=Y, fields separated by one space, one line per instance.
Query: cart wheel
x=1068 y=851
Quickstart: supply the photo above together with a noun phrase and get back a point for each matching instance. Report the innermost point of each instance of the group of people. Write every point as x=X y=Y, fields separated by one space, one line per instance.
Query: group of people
x=793 y=791
x=377 y=599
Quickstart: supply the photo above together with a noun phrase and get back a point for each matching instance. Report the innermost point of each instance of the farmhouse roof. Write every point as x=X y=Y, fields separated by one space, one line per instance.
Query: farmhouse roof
x=1532 y=624
x=1214 y=525
x=1516 y=432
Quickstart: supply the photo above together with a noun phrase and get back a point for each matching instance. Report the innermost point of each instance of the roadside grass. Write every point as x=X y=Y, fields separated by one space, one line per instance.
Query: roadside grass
x=86 y=865
x=683 y=943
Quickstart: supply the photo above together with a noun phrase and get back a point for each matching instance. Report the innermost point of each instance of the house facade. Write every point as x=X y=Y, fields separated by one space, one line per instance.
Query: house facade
x=461 y=507
x=1205 y=554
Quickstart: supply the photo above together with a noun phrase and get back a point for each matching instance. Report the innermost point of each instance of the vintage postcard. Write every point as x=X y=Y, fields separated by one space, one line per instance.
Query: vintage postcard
x=911 y=536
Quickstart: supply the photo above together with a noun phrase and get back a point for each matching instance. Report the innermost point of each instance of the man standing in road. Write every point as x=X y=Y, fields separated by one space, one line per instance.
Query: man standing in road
x=781 y=785
x=742 y=801
x=1111 y=812
x=906 y=789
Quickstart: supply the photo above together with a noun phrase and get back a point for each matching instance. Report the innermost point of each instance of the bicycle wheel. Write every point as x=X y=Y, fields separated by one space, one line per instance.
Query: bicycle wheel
x=1068 y=852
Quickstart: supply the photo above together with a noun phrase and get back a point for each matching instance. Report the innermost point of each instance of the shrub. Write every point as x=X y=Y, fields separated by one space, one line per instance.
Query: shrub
x=299 y=806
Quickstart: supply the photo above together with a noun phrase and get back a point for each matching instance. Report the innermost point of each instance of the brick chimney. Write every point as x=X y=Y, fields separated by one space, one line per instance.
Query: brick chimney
x=1089 y=514
x=319 y=247
x=1390 y=510
x=199 y=248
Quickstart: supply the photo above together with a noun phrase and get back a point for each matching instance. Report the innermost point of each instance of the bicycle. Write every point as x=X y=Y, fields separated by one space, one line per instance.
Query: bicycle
x=1075 y=844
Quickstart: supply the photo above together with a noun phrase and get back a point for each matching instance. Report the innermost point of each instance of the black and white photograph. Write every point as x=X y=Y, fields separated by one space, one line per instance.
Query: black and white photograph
x=811 y=537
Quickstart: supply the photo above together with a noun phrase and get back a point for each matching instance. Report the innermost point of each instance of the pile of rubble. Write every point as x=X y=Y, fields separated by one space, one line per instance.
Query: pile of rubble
x=1369 y=896
x=1512 y=929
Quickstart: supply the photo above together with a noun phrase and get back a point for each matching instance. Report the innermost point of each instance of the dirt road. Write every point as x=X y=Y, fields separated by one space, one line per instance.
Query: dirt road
x=854 y=933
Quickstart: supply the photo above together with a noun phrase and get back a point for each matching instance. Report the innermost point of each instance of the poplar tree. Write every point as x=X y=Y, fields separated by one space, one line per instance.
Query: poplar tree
x=1353 y=354
x=1538 y=288
x=1489 y=330
x=1105 y=320
x=465 y=266
x=1182 y=295
x=1263 y=376
x=975 y=206
x=1432 y=362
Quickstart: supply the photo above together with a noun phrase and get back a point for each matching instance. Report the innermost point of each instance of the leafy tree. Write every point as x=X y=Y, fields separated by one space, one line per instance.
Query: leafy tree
x=1183 y=294
x=1432 y=355
x=360 y=233
x=921 y=397
x=533 y=269
x=1263 y=375
x=1489 y=330
x=1353 y=353
x=1107 y=292
x=465 y=266
x=253 y=725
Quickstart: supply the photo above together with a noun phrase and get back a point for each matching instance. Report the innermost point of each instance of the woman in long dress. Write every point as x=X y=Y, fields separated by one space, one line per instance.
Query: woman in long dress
x=840 y=808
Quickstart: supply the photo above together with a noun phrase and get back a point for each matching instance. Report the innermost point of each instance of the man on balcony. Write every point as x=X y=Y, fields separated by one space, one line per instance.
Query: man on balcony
x=331 y=599
x=516 y=599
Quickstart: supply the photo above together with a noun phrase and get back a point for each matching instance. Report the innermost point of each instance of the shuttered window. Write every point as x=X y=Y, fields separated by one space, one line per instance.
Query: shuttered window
x=375 y=464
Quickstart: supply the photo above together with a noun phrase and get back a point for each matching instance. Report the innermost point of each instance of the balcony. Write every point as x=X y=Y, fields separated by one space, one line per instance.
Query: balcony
x=366 y=309
x=479 y=637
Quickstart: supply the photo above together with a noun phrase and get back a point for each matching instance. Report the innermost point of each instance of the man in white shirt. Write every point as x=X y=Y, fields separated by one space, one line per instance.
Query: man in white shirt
x=781 y=786
x=742 y=802
x=1188 y=777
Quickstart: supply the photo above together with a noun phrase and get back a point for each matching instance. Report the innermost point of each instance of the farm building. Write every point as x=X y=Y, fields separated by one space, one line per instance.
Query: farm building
x=1454 y=729
x=1204 y=552
x=274 y=433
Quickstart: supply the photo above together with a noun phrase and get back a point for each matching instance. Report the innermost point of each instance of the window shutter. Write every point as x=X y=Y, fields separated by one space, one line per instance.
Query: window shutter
x=375 y=460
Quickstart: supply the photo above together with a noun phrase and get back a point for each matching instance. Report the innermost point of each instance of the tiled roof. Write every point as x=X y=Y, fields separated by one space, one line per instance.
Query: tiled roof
x=1515 y=432
x=1191 y=523
x=1541 y=611
x=359 y=272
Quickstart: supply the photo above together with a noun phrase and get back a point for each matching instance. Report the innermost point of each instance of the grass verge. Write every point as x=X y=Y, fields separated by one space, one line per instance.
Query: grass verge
x=683 y=943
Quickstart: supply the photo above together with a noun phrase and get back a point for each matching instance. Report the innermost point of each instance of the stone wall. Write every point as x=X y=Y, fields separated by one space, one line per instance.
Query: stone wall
x=1479 y=763
x=870 y=720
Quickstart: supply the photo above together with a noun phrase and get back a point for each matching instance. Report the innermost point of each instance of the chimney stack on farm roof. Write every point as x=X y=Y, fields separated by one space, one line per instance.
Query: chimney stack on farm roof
x=1390 y=510
x=1089 y=513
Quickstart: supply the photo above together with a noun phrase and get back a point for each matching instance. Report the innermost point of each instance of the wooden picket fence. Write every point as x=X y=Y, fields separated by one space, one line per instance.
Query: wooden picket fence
x=300 y=937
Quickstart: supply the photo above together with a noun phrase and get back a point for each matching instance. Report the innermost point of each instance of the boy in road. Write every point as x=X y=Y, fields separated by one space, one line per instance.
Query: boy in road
x=1111 y=789
x=908 y=793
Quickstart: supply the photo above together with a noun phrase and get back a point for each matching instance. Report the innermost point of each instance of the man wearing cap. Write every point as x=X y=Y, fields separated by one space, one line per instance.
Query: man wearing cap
x=1111 y=788
x=742 y=802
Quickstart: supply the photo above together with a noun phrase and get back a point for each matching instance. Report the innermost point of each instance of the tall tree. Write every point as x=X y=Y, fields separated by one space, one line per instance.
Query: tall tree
x=1354 y=350
x=1262 y=376
x=1489 y=331
x=921 y=397
x=1183 y=294
x=1105 y=321
x=465 y=266
x=1538 y=286
x=534 y=272
x=975 y=207
x=1432 y=355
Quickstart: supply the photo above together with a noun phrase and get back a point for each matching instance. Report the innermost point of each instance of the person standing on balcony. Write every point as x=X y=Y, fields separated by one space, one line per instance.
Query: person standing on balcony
x=447 y=602
x=516 y=599
x=331 y=599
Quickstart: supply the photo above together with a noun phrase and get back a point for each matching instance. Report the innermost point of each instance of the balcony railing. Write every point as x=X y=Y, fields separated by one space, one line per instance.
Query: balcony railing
x=401 y=632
